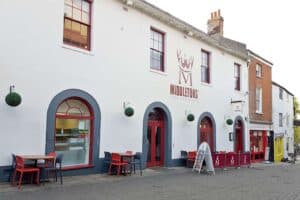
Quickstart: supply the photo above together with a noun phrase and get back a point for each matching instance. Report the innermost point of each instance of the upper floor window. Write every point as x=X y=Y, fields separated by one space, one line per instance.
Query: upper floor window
x=280 y=120
x=280 y=93
x=205 y=66
x=287 y=120
x=237 y=77
x=157 y=50
x=258 y=97
x=258 y=70
x=77 y=23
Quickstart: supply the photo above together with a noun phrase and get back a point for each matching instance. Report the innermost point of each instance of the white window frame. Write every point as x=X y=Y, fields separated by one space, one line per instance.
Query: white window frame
x=258 y=70
x=258 y=100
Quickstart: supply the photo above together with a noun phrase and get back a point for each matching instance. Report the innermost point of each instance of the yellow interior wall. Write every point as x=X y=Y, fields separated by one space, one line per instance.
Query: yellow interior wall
x=278 y=149
x=66 y=123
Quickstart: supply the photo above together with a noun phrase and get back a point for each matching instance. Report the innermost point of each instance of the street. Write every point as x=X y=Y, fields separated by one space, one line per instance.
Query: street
x=259 y=182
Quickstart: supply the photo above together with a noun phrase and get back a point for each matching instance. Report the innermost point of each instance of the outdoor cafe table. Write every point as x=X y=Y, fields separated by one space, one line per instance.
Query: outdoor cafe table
x=35 y=158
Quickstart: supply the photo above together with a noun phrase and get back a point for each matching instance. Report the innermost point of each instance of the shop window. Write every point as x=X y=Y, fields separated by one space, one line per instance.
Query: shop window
x=73 y=136
x=157 y=50
x=237 y=77
x=205 y=66
x=77 y=23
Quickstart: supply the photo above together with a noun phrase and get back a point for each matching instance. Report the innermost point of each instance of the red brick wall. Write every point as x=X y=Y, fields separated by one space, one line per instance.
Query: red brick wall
x=265 y=82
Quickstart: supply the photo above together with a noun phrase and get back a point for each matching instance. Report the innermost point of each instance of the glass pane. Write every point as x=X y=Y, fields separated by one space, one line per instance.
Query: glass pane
x=77 y=14
x=85 y=6
x=84 y=31
x=68 y=24
x=158 y=144
x=75 y=26
x=72 y=139
x=68 y=2
x=77 y=4
x=148 y=142
x=85 y=18
x=68 y=11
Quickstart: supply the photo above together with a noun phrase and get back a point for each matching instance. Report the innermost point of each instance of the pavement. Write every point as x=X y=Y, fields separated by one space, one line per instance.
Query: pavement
x=259 y=182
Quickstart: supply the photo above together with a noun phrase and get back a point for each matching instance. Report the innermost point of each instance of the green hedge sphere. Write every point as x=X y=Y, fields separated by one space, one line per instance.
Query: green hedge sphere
x=229 y=122
x=129 y=111
x=190 y=117
x=13 y=99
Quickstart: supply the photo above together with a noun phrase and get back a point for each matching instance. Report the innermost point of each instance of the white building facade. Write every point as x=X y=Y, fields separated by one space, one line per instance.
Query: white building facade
x=283 y=118
x=79 y=64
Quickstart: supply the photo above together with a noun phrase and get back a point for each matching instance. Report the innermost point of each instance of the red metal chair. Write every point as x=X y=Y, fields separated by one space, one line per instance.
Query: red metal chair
x=117 y=161
x=20 y=167
x=191 y=157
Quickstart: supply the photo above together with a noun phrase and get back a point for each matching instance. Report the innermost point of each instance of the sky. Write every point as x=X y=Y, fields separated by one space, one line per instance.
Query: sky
x=269 y=28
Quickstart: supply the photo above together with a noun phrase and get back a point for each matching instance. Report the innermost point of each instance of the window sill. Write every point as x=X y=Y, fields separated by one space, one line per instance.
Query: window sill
x=206 y=84
x=79 y=50
x=158 y=72
x=259 y=113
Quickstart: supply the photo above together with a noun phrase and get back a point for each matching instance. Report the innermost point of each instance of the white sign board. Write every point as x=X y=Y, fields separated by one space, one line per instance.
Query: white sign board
x=204 y=153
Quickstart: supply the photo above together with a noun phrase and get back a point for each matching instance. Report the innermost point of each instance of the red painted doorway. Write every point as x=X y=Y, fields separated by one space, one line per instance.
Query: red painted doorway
x=206 y=132
x=155 y=136
x=238 y=137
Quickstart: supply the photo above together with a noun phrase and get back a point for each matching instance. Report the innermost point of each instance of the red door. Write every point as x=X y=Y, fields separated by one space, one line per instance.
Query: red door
x=155 y=138
x=206 y=132
x=238 y=137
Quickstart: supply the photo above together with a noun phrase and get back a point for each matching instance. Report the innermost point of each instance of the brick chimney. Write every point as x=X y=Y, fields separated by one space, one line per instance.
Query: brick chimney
x=215 y=24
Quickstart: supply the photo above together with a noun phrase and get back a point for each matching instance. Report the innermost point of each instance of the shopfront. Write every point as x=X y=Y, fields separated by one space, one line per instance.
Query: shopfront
x=258 y=144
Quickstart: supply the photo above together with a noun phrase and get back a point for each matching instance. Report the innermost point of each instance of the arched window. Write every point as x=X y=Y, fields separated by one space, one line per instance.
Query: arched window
x=73 y=138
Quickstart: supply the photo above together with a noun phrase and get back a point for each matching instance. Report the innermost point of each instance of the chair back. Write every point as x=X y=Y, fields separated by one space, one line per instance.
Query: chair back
x=138 y=156
x=53 y=153
x=115 y=157
x=107 y=155
x=13 y=162
x=184 y=154
x=19 y=162
x=58 y=160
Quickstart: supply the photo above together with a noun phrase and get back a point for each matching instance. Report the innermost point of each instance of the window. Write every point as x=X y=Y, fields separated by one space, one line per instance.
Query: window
x=287 y=120
x=205 y=68
x=237 y=77
x=258 y=70
x=77 y=23
x=73 y=136
x=280 y=93
x=157 y=50
x=280 y=120
x=258 y=97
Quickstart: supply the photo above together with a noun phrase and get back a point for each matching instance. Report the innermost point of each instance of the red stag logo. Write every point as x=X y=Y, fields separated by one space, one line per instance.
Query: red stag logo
x=185 y=68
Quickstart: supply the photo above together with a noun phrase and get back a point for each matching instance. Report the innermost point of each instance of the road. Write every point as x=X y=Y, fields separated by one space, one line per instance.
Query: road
x=259 y=182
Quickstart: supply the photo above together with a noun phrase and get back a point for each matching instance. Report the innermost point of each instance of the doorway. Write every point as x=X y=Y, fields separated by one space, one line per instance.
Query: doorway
x=206 y=132
x=239 y=136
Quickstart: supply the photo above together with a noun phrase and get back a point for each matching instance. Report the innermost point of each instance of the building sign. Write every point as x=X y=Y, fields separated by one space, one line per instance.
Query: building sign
x=185 y=78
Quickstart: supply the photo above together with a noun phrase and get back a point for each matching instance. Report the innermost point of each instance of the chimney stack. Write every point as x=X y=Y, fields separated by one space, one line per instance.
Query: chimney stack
x=215 y=24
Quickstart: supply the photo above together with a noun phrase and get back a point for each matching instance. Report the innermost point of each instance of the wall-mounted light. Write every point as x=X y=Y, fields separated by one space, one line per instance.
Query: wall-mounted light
x=13 y=99
x=128 y=109
x=230 y=136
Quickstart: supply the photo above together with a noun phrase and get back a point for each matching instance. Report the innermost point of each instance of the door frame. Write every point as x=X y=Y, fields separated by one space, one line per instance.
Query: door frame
x=154 y=163
x=167 y=130
x=212 y=119
x=239 y=118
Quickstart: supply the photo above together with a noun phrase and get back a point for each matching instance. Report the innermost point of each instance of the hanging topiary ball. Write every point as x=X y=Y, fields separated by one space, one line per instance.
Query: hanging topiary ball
x=129 y=111
x=190 y=117
x=229 y=122
x=13 y=99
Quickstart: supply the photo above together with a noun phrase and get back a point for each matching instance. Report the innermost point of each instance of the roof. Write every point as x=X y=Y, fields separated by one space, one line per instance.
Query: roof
x=273 y=83
x=170 y=20
x=259 y=57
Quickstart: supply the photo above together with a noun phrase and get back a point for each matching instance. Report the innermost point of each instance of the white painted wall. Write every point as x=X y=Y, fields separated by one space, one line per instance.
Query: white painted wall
x=284 y=106
x=34 y=59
